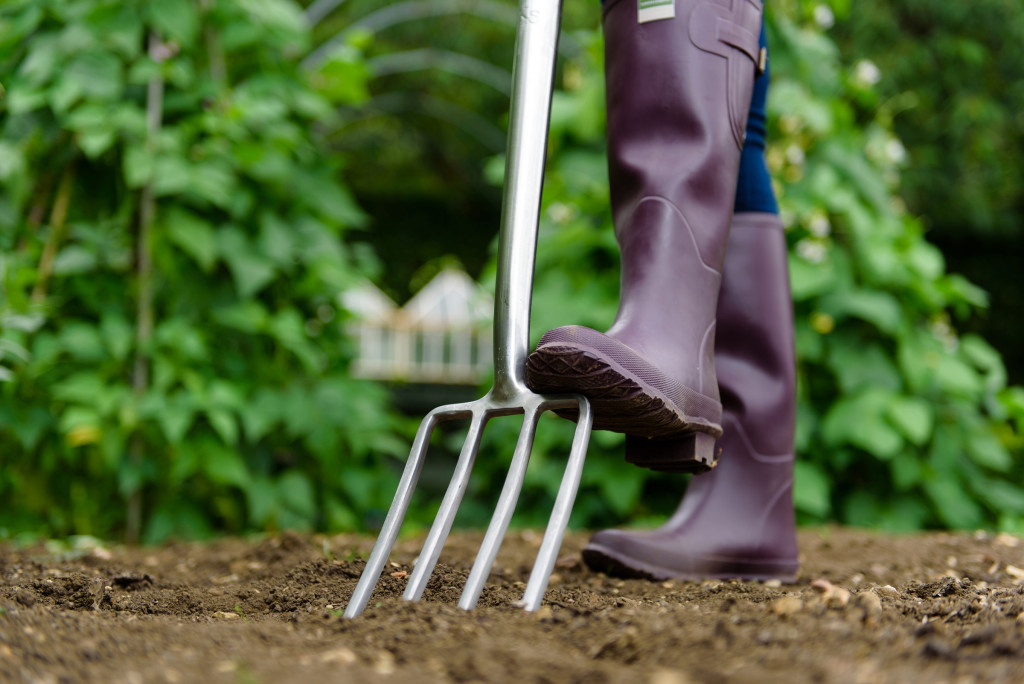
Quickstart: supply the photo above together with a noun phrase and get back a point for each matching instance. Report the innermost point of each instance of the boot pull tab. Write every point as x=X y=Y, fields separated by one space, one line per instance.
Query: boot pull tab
x=732 y=29
x=716 y=28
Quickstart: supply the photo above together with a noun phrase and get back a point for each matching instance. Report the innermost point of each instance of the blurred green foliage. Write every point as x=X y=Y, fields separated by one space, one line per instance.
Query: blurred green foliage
x=951 y=82
x=184 y=184
x=231 y=220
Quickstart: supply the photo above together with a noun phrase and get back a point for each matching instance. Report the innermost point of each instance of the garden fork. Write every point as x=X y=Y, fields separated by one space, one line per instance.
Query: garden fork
x=532 y=79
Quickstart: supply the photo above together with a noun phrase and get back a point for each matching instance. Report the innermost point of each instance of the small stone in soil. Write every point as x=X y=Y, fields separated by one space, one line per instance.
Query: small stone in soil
x=869 y=601
x=668 y=677
x=888 y=591
x=836 y=597
x=787 y=605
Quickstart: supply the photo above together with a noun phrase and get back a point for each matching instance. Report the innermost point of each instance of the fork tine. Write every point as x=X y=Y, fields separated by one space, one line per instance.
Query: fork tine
x=396 y=514
x=446 y=513
x=559 y=520
x=502 y=513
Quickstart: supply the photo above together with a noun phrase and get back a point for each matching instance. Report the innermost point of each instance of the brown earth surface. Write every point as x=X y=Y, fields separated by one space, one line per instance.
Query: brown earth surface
x=866 y=608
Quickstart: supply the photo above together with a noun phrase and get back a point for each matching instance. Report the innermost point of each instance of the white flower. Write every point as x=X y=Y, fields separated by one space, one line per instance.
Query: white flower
x=819 y=225
x=823 y=16
x=795 y=155
x=895 y=151
x=813 y=251
x=561 y=213
x=866 y=73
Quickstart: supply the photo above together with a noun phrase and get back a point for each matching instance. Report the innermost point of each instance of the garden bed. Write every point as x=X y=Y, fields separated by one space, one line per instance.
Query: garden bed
x=867 y=608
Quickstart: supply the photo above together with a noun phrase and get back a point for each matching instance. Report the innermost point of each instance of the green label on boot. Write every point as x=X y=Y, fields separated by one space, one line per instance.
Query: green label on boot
x=653 y=10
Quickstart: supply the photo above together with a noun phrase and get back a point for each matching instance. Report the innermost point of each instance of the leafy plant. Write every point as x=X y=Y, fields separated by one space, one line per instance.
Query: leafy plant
x=172 y=233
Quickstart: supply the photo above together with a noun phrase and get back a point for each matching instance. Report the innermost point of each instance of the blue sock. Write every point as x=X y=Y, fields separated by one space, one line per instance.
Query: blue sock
x=754 y=186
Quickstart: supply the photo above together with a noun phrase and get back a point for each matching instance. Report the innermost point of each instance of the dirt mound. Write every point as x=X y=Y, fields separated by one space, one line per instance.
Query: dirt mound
x=866 y=608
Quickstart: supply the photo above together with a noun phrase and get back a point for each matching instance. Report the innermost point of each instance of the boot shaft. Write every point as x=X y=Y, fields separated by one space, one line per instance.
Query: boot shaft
x=678 y=92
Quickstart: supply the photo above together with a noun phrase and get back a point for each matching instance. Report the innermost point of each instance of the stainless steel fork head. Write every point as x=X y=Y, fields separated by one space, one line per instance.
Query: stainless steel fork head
x=531 y=406
x=532 y=80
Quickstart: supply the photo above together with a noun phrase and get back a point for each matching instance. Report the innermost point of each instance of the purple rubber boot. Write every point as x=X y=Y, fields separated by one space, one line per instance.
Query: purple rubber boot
x=737 y=520
x=678 y=91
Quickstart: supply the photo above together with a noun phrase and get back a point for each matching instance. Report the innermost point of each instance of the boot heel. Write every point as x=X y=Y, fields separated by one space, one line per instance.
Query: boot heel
x=694 y=453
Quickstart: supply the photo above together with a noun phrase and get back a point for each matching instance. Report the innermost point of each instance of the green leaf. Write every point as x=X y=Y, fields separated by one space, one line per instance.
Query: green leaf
x=858 y=365
x=261 y=414
x=177 y=417
x=78 y=417
x=139 y=165
x=97 y=75
x=82 y=388
x=907 y=471
x=343 y=77
x=261 y=498
x=176 y=518
x=986 y=450
x=213 y=181
x=30 y=426
x=193 y=235
x=120 y=26
x=82 y=341
x=360 y=485
x=248 y=316
x=252 y=271
x=860 y=420
x=811 y=490
x=276 y=239
x=622 y=492
x=878 y=308
x=863 y=509
x=957 y=378
x=172 y=175
x=296 y=493
x=1001 y=496
x=74 y=260
x=809 y=280
x=952 y=505
x=176 y=20
x=224 y=424
x=331 y=199
x=42 y=61
x=185 y=462
x=225 y=467
x=913 y=417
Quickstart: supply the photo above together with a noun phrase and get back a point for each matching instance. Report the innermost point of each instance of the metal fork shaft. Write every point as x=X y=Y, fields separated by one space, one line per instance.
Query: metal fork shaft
x=532 y=80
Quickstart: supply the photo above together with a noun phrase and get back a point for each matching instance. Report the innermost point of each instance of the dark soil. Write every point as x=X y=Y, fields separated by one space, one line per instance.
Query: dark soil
x=867 y=608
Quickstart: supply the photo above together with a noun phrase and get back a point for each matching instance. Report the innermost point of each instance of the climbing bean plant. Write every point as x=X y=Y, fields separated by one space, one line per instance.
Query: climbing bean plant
x=172 y=360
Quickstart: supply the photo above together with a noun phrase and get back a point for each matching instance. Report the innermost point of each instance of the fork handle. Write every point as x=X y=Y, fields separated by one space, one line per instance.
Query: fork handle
x=533 y=72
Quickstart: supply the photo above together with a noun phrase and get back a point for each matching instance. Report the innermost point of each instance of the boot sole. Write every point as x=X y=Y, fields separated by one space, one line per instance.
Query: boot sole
x=623 y=402
x=614 y=564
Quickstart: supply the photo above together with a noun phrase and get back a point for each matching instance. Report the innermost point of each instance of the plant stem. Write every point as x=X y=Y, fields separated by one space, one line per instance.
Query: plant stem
x=144 y=276
x=58 y=219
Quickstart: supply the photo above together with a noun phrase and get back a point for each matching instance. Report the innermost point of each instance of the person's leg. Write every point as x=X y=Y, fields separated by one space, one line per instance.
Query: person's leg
x=737 y=520
x=678 y=90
